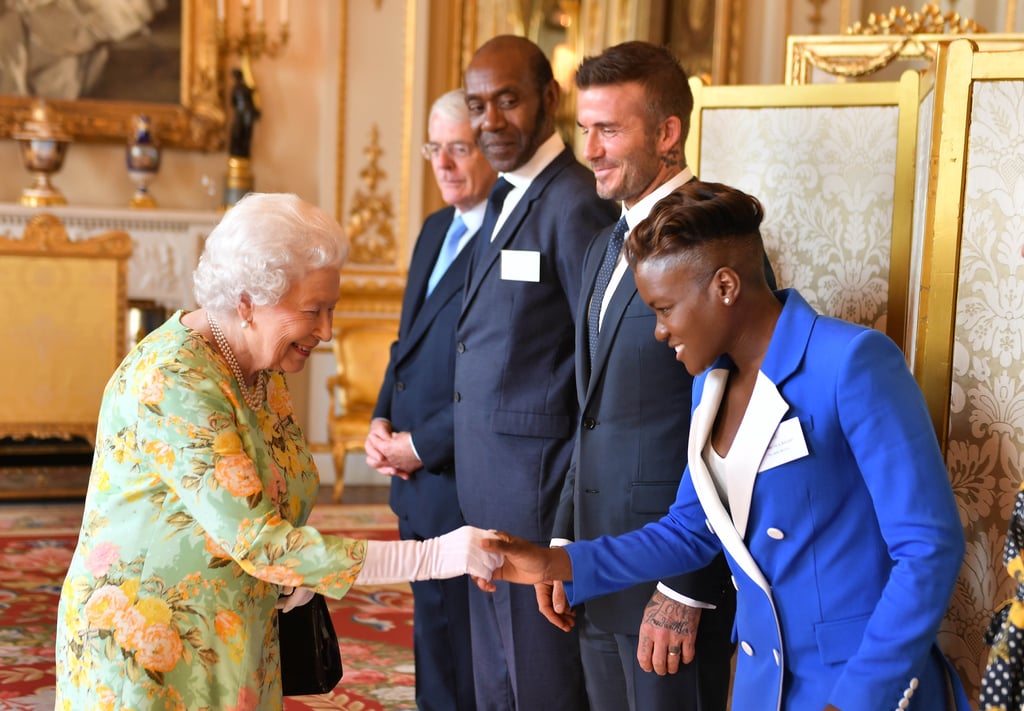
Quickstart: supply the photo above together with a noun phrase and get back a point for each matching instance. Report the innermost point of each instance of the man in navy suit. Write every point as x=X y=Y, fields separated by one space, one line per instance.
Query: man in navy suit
x=515 y=395
x=411 y=436
x=634 y=106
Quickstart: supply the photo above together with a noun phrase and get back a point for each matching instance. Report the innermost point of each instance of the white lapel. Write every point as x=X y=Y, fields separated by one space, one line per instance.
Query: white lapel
x=760 y=421
x=718 y=517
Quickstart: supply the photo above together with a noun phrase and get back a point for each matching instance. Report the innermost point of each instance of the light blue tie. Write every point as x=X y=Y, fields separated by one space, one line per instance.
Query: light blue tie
x=449 y=250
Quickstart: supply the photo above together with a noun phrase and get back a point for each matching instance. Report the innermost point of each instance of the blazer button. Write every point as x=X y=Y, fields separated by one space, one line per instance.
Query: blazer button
x=400 y=386
x=460 y=347
x=589 y=423
x=458 y=397
x=747 y=649
x=775 y=533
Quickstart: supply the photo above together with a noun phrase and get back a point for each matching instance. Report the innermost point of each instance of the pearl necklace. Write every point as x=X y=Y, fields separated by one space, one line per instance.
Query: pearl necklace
x=253 y=398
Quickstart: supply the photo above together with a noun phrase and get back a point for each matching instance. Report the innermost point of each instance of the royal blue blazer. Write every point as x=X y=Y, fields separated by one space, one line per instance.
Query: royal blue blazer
x=844 y=555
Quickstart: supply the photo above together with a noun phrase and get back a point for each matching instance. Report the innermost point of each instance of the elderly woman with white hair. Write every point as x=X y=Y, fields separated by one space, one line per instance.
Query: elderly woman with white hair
x=194 y=529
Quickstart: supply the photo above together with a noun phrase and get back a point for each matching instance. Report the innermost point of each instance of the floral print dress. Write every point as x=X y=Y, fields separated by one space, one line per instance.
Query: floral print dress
x=193 y=523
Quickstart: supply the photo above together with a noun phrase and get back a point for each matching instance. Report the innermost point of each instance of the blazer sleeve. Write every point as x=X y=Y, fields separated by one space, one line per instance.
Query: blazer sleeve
x=435 y=440
x=887 y=427
x=565 y=513
x=383 y=406
x=678 y=542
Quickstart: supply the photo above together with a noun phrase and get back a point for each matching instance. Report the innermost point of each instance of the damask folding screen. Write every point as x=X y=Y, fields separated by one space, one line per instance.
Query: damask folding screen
x=970 y=352
x=834 y=166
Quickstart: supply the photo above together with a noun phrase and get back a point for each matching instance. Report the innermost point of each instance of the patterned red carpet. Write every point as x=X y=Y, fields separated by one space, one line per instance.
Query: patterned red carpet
x=374 y=624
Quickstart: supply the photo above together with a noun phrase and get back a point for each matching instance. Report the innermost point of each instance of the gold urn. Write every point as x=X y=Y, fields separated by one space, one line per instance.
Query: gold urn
x=43 y=144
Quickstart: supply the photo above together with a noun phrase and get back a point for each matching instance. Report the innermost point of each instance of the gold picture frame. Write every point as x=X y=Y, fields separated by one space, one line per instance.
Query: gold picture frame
x=197 y=122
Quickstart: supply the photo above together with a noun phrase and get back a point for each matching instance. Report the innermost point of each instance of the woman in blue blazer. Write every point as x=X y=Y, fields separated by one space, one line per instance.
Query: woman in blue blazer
x=812 y=464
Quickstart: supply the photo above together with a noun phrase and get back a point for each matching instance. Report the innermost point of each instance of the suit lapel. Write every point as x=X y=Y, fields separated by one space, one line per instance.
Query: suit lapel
x=490 y=252
x=450 y=285
x=764 y=413
x=621 y=297
x=431 y=240
x=591 y=265
x=717 y=515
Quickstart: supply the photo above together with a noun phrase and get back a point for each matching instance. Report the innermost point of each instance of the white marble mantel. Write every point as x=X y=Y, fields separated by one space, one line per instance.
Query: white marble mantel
x=166 y=243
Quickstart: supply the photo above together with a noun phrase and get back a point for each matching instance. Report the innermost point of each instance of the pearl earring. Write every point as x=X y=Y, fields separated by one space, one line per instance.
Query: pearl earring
x=245 y=324
x=727 y=300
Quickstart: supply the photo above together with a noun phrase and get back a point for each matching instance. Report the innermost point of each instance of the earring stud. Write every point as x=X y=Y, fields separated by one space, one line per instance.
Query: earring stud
x=245 y=324
x=727 y=300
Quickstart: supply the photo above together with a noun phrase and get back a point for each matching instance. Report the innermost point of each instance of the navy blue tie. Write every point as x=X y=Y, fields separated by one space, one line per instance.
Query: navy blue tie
x=495 y=200
x=604 y=275
x=449 y=251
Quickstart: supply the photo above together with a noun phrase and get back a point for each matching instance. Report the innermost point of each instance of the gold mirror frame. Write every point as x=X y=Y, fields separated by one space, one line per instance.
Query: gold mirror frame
x=196 y=123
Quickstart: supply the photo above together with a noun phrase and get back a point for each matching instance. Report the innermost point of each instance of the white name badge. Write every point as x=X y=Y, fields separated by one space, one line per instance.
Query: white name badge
x=787 y=445
x=520 y=265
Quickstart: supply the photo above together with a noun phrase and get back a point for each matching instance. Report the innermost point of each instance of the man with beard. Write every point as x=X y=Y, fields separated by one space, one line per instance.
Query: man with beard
x=515 y=399
x=634 y=106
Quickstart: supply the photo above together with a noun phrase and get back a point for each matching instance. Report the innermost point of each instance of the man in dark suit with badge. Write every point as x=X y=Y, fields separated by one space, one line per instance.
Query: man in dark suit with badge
x=515 y=395
x=411 y=436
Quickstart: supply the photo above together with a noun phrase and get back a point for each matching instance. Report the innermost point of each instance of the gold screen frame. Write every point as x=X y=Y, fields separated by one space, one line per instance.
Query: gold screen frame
x=197 y=122
x=856 y=56
x=906 y=94
x=960 y=66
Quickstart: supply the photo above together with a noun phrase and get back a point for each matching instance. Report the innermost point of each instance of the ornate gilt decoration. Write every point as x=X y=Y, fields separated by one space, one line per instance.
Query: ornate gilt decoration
x=196 y=123
x=866 y=48
x=901 y=21
x=369 y=223
x=45 y=233
x=66 y=296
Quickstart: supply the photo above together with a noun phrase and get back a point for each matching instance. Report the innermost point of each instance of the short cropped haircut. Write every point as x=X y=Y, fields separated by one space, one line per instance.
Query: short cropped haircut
x=451 y=106
x=700 y=218
x=655 y=68
x=262 y=246
x=540 y=66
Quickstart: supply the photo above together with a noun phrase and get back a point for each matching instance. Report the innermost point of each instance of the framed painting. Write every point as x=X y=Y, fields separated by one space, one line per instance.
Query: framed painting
x=155 y=57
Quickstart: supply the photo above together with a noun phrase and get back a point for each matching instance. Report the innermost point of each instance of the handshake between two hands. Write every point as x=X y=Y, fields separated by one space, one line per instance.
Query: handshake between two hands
x=483 y=555
x=495 y=555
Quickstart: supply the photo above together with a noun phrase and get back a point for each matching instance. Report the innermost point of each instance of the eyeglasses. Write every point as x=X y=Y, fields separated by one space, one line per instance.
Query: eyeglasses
x=455 y=149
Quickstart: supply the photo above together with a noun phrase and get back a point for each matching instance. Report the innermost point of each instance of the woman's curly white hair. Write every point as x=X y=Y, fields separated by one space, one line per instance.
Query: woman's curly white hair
x=263 y=245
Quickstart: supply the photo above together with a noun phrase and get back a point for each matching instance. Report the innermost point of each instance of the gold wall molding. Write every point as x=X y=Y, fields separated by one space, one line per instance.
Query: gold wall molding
x=928 y=20
x=369 y=227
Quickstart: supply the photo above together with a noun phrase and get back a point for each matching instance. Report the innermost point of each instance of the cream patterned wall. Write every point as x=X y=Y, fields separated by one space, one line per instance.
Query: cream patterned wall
x=985 y=450
x=825 y=176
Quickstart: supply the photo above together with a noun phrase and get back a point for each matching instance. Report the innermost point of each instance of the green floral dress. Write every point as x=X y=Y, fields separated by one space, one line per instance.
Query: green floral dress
x=193 y=522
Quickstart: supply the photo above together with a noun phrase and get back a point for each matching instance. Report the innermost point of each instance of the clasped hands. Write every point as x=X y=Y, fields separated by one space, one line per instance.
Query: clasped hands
x=390 y=453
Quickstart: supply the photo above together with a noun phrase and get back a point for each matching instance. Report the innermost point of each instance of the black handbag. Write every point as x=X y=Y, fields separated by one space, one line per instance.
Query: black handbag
x=310 y=657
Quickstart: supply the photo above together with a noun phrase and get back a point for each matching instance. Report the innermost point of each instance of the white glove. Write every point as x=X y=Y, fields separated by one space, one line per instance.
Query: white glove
x=292 y=598
x=448 y=556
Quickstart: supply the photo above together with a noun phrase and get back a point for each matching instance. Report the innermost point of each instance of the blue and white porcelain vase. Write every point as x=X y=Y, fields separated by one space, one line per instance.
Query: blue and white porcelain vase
x=142 y=157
